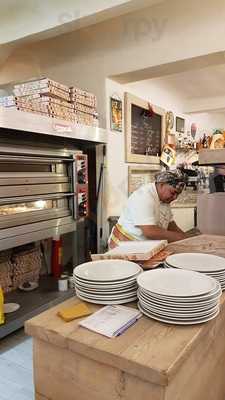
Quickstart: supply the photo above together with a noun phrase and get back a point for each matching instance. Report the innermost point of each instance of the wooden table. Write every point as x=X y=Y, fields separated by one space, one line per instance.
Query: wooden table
x=150 y=361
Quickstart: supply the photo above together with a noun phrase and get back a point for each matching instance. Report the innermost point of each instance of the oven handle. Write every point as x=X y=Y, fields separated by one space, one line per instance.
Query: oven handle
x=23 y=199
x=34 y=160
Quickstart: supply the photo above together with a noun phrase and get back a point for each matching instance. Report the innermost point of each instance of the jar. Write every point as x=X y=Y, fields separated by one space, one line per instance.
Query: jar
x=63 y=284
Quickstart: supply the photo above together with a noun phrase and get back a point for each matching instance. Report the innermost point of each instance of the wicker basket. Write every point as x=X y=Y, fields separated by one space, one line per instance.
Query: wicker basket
x=6 y=270
x=26 y=267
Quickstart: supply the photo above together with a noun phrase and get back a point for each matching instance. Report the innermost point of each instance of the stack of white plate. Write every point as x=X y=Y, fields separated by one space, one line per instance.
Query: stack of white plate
x=178 y=296
x=208 y=264
x=107 y=281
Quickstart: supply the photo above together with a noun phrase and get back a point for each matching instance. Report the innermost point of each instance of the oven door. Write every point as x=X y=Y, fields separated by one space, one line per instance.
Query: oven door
x=37 y=198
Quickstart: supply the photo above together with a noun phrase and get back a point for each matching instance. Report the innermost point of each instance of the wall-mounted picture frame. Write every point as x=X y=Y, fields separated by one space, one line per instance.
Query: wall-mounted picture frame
x=116 y=114
x=144 y=130
x=180 y=124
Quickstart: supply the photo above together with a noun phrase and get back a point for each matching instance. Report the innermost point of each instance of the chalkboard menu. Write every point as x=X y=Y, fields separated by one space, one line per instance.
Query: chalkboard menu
x=144 y=130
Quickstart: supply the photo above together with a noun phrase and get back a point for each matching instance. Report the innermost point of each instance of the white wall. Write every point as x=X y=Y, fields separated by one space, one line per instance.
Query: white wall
x=165 y=36
x=155 y=92
x=117 y=169
x=161 y=35
x=24 y=18
x=207 y=122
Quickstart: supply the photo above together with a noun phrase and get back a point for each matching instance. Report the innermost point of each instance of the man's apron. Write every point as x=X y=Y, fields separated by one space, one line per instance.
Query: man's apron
x=118 y=234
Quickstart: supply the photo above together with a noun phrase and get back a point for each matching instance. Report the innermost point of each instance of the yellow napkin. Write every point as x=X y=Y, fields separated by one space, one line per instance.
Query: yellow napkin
x=72 y=312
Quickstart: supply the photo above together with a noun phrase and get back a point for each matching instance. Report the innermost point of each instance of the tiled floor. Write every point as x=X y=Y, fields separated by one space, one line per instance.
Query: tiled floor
x=16 y=369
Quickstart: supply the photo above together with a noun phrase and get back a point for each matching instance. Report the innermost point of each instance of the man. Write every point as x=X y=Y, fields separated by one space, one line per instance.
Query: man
x=147 y=214
x=217 y=179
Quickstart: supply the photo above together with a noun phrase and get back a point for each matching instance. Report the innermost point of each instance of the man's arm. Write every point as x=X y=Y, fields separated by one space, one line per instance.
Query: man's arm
x=173 y=227
x=154 y=232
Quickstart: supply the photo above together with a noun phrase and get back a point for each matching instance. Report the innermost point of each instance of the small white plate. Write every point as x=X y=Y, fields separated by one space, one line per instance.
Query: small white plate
x=32 y=286
x=105 y=291
x=106 y=284
x=107 y=296
x=107 y=270
x=121 y=301
x=11 y=307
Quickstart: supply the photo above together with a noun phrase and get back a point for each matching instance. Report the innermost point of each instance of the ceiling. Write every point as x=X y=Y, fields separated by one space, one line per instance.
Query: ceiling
x=204 y=82
x=27 y=20
x=200 y=90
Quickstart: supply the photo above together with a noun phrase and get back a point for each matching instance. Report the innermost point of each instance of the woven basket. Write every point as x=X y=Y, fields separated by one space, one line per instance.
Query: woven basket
x=26 y=267
x=6 y=270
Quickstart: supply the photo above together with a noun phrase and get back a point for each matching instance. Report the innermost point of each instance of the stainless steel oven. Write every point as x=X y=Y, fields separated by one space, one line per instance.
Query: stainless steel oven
x=37 y=195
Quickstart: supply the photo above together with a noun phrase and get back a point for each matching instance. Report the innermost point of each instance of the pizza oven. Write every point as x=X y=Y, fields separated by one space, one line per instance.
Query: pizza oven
x=42 y=194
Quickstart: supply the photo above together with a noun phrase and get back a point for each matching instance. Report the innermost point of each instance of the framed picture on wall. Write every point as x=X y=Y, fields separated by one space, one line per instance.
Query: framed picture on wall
x=144 y=130
x=116 y=114
x=180 y=122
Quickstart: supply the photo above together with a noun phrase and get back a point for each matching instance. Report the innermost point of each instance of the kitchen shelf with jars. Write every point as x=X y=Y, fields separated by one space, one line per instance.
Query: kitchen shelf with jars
x=185 y=147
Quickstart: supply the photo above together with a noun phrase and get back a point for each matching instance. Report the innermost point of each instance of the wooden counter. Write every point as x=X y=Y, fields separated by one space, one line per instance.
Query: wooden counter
x=150 y=361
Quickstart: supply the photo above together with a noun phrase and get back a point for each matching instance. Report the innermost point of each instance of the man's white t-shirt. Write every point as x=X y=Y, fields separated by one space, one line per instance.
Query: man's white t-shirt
x=144 y=208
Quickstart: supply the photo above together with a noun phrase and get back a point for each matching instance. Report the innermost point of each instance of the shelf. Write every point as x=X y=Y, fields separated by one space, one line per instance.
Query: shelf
x=210 y=157
x=32 y=303
x=29 y=122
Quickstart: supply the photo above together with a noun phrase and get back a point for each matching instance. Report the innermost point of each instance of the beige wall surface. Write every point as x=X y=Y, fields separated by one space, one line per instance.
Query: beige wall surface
x=170 y=36
x=163 y=34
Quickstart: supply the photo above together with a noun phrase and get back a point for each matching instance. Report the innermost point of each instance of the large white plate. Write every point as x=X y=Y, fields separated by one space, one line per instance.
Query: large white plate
x=188 y=299
x=107 y=270
x=215 y=294
x=220 y=274
x=178 y=305
x=172 y=313
x=175 y=321
x=173 y=282
x=121 y=301
x=197 y=262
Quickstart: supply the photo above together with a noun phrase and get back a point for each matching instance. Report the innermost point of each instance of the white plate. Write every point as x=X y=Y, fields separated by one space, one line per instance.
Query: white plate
x=11 y=307
x=115 y=291
x=32 y=286
x=122 y=283
x=178 y=314
x=173 y=282
x=121 y=301
x=172 y=299
x=179 y=318
x=175 y=321
x=178 y=305
x=199 y=262
x=107 y=296
x=108 y=288
x=107 y=270
x=220 y=275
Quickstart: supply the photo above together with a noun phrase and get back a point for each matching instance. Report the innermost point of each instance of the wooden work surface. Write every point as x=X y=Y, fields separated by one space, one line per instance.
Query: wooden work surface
x=151 y=360
x=211 y=244
x=150 y=350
